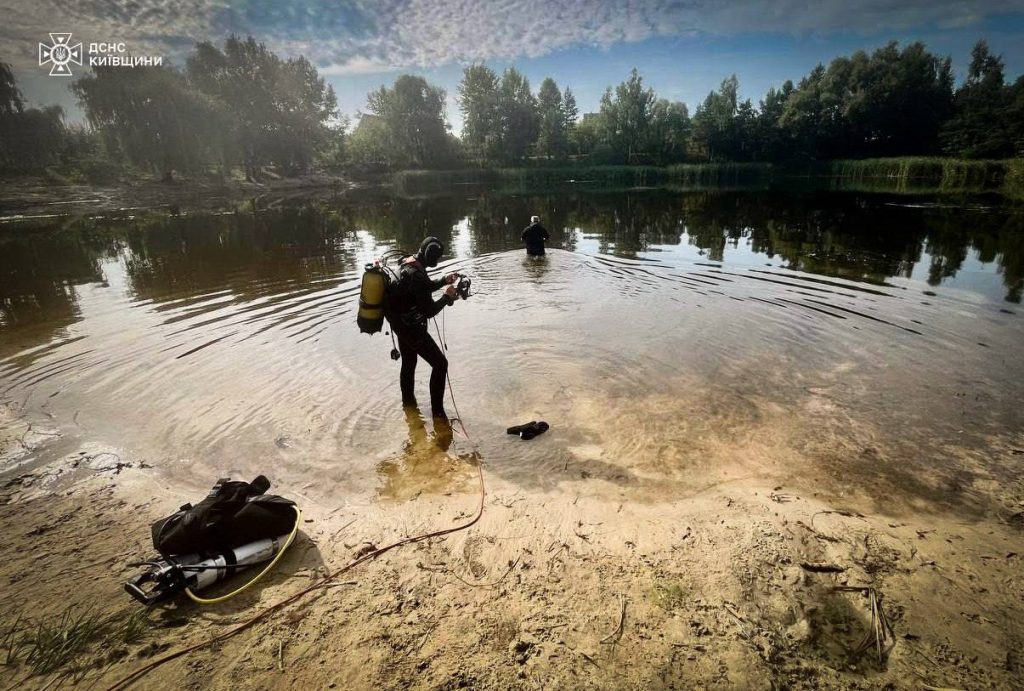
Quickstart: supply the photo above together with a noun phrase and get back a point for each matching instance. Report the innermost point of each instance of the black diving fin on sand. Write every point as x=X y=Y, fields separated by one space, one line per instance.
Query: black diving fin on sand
x=529 y=430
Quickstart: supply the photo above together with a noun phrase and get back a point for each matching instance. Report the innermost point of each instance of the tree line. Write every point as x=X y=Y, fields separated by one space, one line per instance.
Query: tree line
x=893 y=102
x=241 y=107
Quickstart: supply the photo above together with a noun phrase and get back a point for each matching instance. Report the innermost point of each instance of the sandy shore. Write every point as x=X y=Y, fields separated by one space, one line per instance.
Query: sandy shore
x=583 y=587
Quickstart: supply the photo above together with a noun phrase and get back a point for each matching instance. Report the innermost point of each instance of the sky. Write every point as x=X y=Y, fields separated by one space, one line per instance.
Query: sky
x=683 y=48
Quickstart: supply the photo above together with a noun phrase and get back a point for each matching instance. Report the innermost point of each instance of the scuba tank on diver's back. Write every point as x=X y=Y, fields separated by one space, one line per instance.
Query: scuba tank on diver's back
x=372 y=298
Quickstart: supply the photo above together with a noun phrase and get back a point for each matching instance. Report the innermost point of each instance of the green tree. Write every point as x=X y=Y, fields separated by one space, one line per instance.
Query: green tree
x=1016 y=116
x=334 y=155
x=369 y=147
x=32 y=139
x=11 y=100
x=744 y=145
x=588 y=134
x=626 y=117
x=280 y=110
x=481 y=122
x=890 y=103
x=552 y=141
x=895 y=102
x=413 y=115
x=771 y=143
x=805 y=120
x=571 y=113
x=157 y=120
x=517 y=110
x=981 y=126
x=714 y=127
x=670 y=131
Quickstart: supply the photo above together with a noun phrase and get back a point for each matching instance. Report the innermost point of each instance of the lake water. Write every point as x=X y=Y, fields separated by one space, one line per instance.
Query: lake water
x=838 y=343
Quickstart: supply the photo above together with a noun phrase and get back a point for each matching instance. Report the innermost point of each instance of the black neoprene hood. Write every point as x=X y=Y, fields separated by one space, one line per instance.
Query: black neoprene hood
x=430 y=252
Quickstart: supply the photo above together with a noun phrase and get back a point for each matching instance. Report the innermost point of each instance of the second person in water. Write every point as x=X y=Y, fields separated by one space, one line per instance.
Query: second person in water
x=534 y=236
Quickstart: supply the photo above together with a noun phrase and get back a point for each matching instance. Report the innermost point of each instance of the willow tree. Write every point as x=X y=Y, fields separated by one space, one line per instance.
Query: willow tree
x=30 y=138
x=11 y=100
x=157 y=120
x=280 y=110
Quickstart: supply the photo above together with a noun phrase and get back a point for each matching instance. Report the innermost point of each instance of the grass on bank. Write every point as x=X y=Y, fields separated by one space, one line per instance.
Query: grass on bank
x=910 y=175
x=73 y=641
x=907 y=172
x=542 y=179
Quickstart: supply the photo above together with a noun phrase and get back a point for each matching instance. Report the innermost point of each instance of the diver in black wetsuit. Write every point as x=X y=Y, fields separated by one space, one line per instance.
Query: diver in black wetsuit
x=535 y=236
x=411 y=305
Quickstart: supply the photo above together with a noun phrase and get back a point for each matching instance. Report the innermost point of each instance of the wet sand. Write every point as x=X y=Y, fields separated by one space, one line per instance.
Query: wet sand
x=714 y=591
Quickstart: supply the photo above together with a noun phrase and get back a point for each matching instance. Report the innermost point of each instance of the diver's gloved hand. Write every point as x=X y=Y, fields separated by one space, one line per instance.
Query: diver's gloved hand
x=451 y=278
x=451 y=292
x=529 y=430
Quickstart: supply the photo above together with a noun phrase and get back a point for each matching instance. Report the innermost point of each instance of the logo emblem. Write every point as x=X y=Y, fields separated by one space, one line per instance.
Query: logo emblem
x=61 y=54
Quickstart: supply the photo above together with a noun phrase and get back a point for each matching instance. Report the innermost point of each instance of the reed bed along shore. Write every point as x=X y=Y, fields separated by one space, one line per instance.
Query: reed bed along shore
x=908 y=175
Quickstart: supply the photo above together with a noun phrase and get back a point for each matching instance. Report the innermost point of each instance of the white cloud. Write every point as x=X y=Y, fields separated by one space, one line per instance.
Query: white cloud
x=368 y=36
x=357 y=65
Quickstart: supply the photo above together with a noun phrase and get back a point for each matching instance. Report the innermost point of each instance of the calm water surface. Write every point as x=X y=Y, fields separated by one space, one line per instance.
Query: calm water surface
x=837 y=342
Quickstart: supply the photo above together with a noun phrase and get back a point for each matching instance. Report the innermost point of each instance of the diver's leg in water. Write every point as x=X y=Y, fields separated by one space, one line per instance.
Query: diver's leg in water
x=443 y=433
x=407 y=377
x=429 y=351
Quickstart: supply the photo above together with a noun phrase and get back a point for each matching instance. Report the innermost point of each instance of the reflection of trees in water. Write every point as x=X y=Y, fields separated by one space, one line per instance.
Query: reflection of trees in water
x=632 y=222
x=996 y=237
x=497 y=221
x=38 y=274
x=251 y=253
x=1010 y=241
x=310 y=245
x=405 y=222
x=836 y=235
x=850 y=236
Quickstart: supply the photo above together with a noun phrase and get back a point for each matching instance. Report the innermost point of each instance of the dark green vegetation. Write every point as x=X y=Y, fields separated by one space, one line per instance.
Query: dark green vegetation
x=906 y=175
x=607 y=177
x=242 y=108
x=893 y=102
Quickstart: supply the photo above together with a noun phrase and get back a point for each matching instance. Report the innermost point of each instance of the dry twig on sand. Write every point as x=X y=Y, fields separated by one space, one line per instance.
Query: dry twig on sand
x=822 y=567
x=739 y=620
x=617 y=633
x=443 y=568
x=880 y=634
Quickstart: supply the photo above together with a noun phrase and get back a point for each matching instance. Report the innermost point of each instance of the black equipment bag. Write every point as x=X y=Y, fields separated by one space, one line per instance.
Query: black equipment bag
x=234 y=513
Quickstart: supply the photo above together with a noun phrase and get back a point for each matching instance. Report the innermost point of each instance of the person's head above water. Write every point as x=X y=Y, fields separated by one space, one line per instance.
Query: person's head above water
x=430 y=252
x=534 y=219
